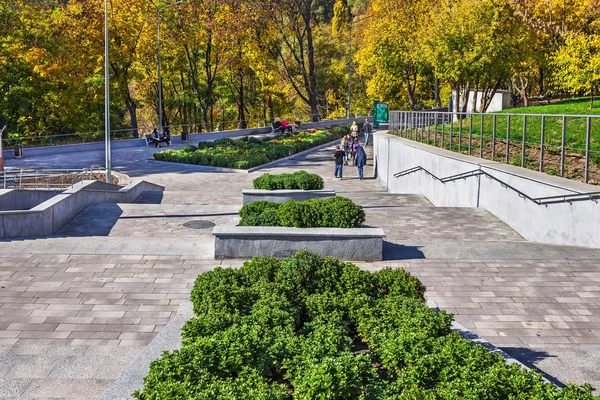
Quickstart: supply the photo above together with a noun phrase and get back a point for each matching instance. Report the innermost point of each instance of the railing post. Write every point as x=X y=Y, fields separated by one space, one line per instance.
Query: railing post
x=435 y=129
x=443 y=120
x=428 y=127
x=507 y=139
x=542 y=143
x=524 y=140
x=470 y=132
x=481 y=138
x=494 y=138
x=451 y=130
x=587 y=149
x=460 y=123
x=562 y=146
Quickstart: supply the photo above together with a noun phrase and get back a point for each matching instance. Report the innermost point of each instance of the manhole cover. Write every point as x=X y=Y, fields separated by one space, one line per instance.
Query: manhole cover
x=199 y=224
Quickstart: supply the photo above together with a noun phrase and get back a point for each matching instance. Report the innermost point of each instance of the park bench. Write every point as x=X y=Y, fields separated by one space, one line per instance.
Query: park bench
x=149 y=139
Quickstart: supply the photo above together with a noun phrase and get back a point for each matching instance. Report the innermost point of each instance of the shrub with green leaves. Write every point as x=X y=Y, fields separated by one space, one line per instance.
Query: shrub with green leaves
x=298 y=180
x=309 y=327
x=333 y=212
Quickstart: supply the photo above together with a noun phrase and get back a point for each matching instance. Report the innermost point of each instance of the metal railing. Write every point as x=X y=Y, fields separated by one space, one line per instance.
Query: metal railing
x=22 y=178
x=557 y=144
x=124 y=134
x=565 y=198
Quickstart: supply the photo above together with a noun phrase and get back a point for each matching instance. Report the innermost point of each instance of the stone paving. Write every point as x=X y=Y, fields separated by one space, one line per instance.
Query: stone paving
x=76 y=308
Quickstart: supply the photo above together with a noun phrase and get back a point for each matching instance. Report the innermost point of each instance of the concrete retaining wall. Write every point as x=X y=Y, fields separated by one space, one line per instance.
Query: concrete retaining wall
x=573 y=223
x=357 y=244
x=281 y=196
x=120 y=144
x=22 y=199
x=49 y=216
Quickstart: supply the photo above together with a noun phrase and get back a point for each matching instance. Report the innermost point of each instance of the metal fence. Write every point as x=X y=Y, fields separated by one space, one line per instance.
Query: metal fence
x=123 y=134
x=20 y=178
x=564 y=145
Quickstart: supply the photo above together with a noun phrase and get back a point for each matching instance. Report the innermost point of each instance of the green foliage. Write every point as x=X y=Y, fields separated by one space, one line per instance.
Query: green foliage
x=334 y=212
x=248 y=152
x=309 y=327
x=297 y=180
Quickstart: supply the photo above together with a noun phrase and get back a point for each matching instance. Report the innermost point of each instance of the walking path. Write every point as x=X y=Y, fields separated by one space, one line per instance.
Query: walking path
x=77 y=307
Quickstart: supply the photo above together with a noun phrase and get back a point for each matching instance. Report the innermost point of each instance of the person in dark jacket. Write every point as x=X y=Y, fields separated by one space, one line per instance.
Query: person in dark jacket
x=367 y=129
x=339 y=161
x=361 y=160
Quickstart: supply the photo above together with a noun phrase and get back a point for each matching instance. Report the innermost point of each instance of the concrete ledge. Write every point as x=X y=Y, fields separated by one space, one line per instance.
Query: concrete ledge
x=356 y=244
x=281 y=196
x=49 y=216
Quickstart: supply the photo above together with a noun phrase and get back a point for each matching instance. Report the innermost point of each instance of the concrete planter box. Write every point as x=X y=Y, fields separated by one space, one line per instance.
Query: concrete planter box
x=352 y=244
x=281 y=196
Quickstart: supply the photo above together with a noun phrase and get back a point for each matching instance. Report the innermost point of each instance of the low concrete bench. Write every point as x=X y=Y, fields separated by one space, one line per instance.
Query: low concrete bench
x=281 y=196
x=352 y=244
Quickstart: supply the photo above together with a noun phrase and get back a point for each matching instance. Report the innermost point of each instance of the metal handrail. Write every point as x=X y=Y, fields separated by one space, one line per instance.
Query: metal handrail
x=566 y=198
x=18 y=178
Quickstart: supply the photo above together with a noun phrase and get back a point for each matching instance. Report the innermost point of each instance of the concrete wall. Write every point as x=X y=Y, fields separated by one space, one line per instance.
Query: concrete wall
x=120 y=144
x=573 y=223
x=21 y=199
x=281 y=196
x=356 y=244
x=48 y=217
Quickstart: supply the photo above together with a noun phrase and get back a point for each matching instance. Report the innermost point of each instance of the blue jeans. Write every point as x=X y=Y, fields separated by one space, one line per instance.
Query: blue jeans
x=360 y=172
x=366 y=138
x=338 y=167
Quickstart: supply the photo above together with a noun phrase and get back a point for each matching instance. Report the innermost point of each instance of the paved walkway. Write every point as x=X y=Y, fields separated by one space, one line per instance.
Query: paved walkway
x=77 y=307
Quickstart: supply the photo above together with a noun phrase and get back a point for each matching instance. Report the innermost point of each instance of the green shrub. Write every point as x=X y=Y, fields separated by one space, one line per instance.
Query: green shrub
x=334 y=212
x=309 y=327
x=297 y=180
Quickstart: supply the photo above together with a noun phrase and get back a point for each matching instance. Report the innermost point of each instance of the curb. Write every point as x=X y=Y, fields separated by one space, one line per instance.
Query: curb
x=132 y=378
x=270 y=164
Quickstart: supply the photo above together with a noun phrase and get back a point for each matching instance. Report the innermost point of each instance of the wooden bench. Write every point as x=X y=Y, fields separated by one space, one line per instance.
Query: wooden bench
x=149 y=139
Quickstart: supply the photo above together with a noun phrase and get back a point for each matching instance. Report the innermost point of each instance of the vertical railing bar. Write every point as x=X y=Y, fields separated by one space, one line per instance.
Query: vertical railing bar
x=524 y=140
x=470 y=132
x=562 y=147
x=481 y=138
x=428 y=128
x=587 y=149
x=542 y=143
x=435 y=129
x=451 y=129
x=494 y=138
x=507 y=139
x=460 y=124
x=443 y=120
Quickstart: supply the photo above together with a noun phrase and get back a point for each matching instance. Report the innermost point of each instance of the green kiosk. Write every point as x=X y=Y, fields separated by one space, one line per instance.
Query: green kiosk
x=380 y=113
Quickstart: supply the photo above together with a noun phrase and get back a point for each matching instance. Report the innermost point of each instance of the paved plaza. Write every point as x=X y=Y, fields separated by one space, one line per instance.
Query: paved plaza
x=76 y=308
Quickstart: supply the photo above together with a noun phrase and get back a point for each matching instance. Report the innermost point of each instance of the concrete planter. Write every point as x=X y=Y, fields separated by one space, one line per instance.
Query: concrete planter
x=281 y=196
x=356 y=244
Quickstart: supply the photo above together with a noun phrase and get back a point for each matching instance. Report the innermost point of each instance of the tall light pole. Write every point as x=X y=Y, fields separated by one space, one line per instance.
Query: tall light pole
x=160 y=116
x=106 y=97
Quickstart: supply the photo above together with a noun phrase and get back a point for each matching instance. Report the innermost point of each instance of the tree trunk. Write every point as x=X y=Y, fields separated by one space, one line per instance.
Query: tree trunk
x=241 y=105
x=132 y=108
x=311 y=64
x=436 y=94
x=184 y=115
x=270 y=107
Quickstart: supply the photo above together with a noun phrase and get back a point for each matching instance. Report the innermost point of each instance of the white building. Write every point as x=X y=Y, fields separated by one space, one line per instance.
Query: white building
x=500 y=101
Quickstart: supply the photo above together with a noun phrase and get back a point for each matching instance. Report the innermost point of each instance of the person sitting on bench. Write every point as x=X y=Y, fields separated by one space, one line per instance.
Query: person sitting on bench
x=155 y=137
x=166 y=136
x=285 y=126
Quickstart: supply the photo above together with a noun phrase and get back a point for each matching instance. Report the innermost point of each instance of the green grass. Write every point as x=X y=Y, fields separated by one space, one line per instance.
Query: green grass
x=571 y=106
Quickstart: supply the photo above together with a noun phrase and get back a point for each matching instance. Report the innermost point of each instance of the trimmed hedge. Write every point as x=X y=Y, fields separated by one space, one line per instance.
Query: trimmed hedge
x=248 y=152
x=298 y=180
x=333 y=212
x=310 y=328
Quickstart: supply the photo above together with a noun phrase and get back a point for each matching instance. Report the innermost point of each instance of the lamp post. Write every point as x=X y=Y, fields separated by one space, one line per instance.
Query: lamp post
x=160 y=116
x=106 y=98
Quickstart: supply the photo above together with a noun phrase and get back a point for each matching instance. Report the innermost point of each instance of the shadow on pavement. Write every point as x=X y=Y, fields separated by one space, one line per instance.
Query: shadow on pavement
x=529 y=357
x=393 y=251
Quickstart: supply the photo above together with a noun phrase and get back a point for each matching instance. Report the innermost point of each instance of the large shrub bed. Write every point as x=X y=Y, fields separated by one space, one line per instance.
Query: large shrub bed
x=317 y=328
x=333 y=212
x=297 y=180
x=247 y=152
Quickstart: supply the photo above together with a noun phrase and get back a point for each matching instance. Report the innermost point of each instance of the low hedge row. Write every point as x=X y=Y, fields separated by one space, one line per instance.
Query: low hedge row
x=311 y=328
x=334 y=212
x=247 y=152
x=297 y=180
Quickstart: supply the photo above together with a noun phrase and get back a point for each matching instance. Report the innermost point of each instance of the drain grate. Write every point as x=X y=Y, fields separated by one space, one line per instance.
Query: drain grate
x=199 y=224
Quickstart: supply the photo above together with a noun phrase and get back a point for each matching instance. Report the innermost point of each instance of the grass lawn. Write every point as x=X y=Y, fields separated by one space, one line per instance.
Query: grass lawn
x=528 y=130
